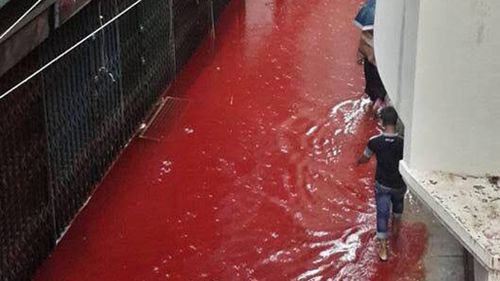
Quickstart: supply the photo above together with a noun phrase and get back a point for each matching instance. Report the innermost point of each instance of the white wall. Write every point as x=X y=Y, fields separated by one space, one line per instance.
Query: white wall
x=388 y=43
x=396 y=46
x=448 y=86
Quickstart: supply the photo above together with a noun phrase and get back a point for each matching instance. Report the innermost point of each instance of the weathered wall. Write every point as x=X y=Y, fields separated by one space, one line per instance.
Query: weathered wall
x=396 y=47
x=446 y=81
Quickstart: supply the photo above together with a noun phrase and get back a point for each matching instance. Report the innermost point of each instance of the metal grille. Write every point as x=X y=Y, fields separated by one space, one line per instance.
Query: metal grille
x=84 y=112
x=147 y=57
x=165 y=119
x=63 y=129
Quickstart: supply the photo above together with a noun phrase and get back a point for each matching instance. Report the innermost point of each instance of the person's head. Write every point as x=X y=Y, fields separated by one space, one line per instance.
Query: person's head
x=389 y=117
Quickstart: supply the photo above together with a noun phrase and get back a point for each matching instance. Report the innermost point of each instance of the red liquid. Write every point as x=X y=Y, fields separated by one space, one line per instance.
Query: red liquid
x=257 y=180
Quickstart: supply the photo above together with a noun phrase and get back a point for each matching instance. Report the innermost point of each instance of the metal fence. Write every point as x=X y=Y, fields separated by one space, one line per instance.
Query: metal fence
x=62 y=130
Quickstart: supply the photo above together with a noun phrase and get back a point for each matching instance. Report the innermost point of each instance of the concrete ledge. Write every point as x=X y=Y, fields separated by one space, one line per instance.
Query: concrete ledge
x=469 y=207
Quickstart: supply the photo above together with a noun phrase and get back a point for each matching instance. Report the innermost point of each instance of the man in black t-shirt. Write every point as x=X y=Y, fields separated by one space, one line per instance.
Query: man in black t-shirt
x=390 y=188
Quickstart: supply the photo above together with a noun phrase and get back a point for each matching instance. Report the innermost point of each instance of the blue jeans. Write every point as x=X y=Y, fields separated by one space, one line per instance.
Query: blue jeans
x=385 y=197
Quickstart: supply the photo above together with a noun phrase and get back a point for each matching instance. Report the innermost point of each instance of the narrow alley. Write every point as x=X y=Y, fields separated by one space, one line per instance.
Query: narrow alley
x=249 y=172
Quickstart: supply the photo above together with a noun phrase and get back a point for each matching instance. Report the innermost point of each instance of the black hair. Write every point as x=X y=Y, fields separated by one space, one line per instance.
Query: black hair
x=389 y=116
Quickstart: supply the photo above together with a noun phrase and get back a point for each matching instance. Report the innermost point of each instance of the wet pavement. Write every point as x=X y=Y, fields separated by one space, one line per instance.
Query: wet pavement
x=444 y=259
x=255 y=178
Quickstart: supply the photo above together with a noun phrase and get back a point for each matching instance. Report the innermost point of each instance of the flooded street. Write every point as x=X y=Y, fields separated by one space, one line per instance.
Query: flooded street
x=255 y=177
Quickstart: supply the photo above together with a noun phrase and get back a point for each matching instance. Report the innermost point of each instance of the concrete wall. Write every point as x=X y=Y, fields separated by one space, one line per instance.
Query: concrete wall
x=396 y=47
x=443 y=73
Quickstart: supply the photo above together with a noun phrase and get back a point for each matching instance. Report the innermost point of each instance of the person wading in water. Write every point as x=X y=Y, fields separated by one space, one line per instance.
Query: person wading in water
x=390 y=189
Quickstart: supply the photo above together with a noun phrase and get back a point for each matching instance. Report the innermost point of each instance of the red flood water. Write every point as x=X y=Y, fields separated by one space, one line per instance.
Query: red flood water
x=257 y=179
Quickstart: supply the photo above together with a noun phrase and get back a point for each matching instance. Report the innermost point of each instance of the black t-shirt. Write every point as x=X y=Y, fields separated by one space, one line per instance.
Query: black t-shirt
x=389 y=151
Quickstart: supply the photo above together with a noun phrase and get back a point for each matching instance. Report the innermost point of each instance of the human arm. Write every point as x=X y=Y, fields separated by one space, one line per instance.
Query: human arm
x=363 y=160
x=367 y=154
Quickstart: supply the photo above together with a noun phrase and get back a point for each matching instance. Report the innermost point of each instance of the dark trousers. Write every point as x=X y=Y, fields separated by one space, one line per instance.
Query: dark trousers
x=374 y=86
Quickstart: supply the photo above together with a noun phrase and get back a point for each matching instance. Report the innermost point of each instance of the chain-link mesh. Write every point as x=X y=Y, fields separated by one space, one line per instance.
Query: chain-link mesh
x=192 y=22
x=26 y=226
x=84 y=110
x=63 y=129
x=147 y=56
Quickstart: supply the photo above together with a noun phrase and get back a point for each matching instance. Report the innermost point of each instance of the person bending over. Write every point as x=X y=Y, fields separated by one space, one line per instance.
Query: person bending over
x=374 y=87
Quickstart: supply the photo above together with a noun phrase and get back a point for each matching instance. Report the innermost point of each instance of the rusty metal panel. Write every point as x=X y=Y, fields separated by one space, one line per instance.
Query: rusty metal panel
x=33 y=30
x=65 y=9
x=23 y=42
x=12 y=11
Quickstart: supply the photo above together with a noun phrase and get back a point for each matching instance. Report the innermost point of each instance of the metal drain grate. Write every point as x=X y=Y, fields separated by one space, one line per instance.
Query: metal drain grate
x=165 y=119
